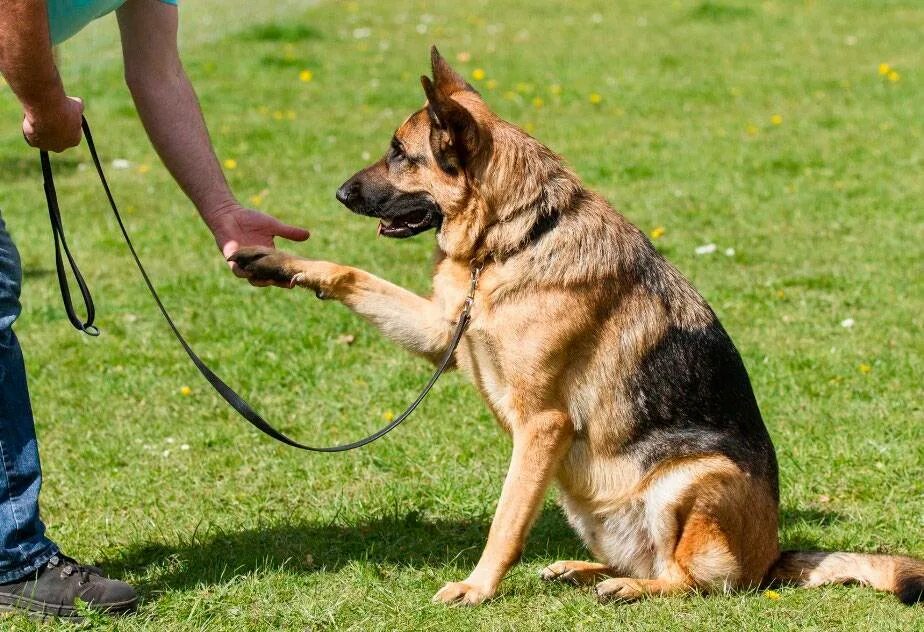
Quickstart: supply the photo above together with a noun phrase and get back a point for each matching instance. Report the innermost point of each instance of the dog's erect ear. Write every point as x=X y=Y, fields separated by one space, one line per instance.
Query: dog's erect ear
x=455 y=136
x=447 y=80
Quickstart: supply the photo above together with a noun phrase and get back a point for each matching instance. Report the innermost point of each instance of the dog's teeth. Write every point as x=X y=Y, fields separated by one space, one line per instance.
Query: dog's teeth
x=387 y=222
x=379 y=229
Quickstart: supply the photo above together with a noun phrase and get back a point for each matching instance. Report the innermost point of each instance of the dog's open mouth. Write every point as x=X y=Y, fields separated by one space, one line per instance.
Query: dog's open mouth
x=408 y=225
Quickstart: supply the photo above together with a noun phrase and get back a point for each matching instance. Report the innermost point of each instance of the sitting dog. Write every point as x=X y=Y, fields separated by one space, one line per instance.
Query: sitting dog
x=610 y=372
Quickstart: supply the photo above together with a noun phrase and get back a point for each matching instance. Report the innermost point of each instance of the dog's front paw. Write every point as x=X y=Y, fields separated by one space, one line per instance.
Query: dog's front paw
x=463 y=594
x=259 y=263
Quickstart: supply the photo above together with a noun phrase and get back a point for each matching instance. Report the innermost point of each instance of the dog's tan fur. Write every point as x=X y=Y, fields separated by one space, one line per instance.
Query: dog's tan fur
x=561 y=325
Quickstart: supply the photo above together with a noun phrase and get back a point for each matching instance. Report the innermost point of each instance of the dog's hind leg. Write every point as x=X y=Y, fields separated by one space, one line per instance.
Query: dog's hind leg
x=538 y=446
x=576 y=572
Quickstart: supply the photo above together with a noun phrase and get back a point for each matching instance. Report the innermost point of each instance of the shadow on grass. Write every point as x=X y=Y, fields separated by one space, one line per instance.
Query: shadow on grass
x=26 y=166
x=409 y=540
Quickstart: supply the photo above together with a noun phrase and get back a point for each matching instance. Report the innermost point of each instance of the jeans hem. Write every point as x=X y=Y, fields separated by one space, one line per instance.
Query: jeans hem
x=34 y=564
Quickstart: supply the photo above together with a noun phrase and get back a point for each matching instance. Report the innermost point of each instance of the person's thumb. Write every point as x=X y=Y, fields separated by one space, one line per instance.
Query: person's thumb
x=78 y=101
x=292 y=233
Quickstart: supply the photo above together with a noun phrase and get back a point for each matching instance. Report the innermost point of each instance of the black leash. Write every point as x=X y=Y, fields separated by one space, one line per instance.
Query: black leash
x=226 y=392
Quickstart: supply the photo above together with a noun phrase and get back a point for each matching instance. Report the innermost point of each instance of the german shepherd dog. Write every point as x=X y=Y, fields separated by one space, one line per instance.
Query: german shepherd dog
x=610 y=372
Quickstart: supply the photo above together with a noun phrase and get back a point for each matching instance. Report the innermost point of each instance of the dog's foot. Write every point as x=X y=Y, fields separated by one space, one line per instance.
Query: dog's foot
x=260 y=263
x=576 y=572
x=619 y=589
x=462 y=594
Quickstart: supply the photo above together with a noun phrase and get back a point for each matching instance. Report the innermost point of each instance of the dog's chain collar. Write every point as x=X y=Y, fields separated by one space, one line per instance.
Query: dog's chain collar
x=476 y=267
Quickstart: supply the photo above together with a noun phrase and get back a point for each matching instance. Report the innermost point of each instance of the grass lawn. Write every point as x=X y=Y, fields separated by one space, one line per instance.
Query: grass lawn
x=766 y=128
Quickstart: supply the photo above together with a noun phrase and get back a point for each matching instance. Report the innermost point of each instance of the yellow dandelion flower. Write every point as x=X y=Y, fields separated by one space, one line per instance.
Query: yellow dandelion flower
x=230 y=163
x=555 y=89
x=490 y=84
x=771 y=594
x=278 y=115
x=864 y=368
x=894 y=76
x=752 y=130
x=780 y=294
x=595 y=98
x=523 y=88
x=185 y=391
x=530 y=127
x=510 y=95
x=884 y=69
x=143 y=169
x=538 y=102
x=388 y=415
x=478 y=74
x=657 y=233
x=305 y=76
x=776 y=119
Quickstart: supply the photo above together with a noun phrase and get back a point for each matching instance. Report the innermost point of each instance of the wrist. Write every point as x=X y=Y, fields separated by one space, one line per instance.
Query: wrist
x=213 y=213
x=49 y=107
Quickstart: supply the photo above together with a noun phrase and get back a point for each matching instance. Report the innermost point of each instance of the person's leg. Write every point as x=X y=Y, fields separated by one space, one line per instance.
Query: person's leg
x=35 y=578
x=23 y=545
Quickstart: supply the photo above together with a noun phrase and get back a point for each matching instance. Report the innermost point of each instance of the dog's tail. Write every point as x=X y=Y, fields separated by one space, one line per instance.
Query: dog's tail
x=902 y=576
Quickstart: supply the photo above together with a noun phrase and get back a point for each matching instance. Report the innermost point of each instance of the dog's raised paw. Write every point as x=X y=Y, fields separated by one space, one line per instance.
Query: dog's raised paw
x=260 y=263
x=462 y=594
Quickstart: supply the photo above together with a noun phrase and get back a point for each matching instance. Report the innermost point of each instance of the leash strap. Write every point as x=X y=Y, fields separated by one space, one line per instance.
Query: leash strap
x=227 y=393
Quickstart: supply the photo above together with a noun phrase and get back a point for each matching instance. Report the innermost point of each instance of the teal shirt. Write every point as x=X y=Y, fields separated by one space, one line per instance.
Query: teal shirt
x=66 y=17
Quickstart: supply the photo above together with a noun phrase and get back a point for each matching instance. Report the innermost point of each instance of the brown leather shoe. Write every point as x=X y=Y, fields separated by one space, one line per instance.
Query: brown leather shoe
x=52 y=590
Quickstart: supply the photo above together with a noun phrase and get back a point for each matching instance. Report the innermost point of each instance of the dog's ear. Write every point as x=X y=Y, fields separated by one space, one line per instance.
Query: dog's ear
x=455 y=136
x=447 y=80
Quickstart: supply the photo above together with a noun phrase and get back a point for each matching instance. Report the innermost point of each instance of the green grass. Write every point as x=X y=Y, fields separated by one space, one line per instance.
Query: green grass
x=823 y=211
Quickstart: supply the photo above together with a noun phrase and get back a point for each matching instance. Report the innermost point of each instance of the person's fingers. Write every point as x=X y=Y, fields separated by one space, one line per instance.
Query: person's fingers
x=292 y=233
x=79 y=102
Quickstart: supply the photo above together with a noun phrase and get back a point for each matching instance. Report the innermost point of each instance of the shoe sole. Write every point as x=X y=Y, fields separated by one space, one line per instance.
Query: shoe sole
x=41 y=610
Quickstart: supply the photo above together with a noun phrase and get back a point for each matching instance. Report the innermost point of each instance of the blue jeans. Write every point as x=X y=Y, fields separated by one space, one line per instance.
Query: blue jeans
x=23 y=545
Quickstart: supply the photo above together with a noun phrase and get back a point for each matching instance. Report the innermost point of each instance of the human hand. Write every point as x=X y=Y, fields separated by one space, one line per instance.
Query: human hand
x=54 y=127
x=235 y=227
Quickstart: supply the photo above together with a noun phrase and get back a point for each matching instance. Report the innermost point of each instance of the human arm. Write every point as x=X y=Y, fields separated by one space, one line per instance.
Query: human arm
x=170 y=113
x=51 y=120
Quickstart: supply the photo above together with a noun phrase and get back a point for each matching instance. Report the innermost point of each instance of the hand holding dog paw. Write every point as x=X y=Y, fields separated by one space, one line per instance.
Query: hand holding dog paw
x=236 y=228
x=462 y=594
x=263 y=265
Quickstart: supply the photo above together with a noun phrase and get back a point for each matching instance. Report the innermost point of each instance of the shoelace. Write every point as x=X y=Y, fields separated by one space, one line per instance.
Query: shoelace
x=72 y=566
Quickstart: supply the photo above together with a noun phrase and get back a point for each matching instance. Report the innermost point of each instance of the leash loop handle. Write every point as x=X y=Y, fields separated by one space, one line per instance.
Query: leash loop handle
x=226 y=392
x=57 y=229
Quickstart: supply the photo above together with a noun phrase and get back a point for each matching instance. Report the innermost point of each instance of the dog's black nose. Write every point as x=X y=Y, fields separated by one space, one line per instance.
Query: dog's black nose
x=348 y=192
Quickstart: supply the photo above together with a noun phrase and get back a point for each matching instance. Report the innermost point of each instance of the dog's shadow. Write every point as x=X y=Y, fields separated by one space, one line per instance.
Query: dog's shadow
x=409 y=540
